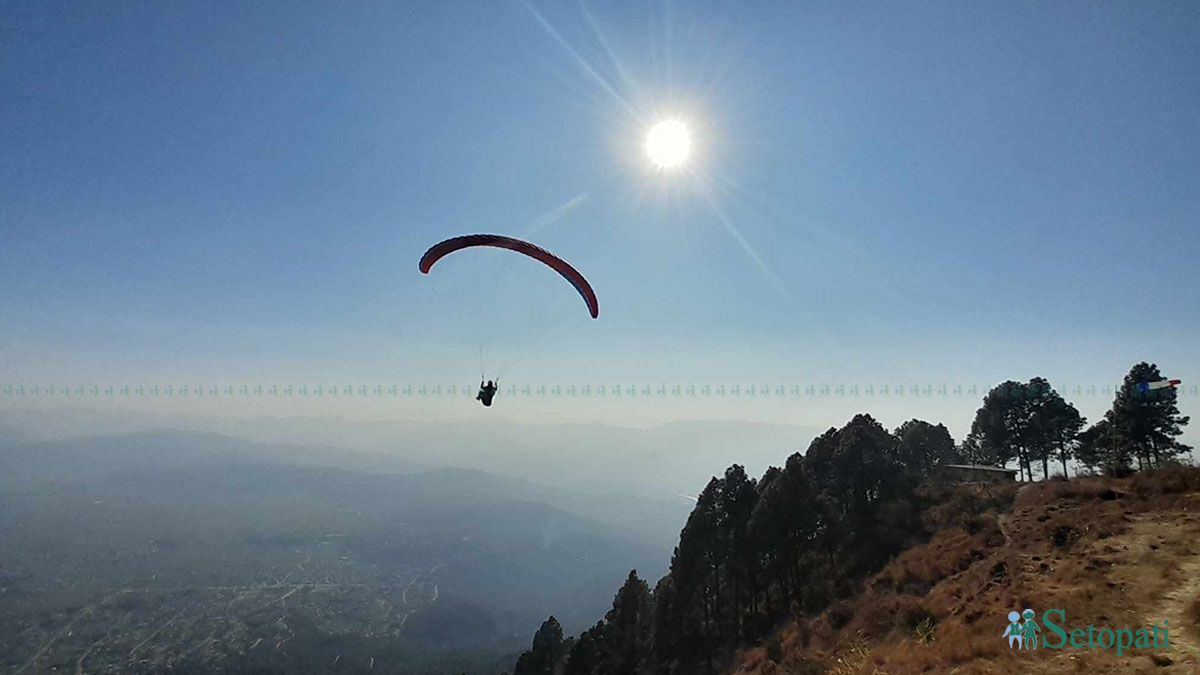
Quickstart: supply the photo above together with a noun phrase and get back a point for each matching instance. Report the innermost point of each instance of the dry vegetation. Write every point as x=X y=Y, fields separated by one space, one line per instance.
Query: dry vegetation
x=1110 y=552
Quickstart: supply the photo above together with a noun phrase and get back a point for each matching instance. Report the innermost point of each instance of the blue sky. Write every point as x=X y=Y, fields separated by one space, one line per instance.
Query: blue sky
x=912 y=193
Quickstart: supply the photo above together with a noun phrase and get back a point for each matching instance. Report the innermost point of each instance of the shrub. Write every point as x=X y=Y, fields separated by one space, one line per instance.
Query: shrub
x=840 y=614
x=1064 y=536
x=917 y=616
x=1175 y=480
x=775 y=648
x=925 y=630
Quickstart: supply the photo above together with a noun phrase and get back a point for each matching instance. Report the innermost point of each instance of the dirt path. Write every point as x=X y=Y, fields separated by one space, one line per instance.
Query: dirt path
x=1175 y=606
x=1154 y=577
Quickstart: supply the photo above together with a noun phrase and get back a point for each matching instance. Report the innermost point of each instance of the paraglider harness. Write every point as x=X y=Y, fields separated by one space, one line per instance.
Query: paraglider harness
x=486 y=392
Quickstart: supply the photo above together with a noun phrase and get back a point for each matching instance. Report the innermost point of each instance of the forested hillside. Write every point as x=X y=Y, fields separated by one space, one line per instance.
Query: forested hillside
x=757 y=554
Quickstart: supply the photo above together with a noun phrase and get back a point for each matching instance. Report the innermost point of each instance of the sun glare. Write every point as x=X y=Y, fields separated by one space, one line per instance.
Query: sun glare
x=668 y=144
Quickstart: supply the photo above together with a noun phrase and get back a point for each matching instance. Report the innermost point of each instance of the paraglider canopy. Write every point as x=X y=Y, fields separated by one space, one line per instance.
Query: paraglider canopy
x=442 y=249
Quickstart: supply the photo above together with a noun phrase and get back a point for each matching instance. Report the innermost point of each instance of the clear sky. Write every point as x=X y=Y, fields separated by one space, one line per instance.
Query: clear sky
x=919 y=193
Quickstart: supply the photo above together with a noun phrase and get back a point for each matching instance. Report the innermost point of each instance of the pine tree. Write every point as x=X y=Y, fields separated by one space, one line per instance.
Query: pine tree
x=546 y=652
x=923 y=446
x=1103 y=446
x=1060 y=422
x=1038 y=409
x=738 y=496
x=696 y=569
x=1002 y=425
x=628 y=627
x=588 y=655
x=1149 y=421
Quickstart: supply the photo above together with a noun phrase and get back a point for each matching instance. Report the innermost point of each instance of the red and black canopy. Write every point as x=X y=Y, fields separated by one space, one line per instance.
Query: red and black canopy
x=440 y=250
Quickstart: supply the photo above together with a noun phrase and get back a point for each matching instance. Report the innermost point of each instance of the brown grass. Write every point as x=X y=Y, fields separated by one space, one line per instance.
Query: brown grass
x=940 y=606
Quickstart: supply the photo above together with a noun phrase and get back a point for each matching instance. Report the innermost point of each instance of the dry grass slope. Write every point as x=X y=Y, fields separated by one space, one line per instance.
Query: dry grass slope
x=1122 y=553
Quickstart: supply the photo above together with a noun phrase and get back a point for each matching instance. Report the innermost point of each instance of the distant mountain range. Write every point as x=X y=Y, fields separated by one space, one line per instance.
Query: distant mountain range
x=634 y=478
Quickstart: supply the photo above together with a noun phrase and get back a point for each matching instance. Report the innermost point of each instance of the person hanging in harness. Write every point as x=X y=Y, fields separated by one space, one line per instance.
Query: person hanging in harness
x=486 y=392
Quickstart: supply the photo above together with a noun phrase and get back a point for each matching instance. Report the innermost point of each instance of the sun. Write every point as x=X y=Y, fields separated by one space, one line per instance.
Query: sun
x=668 y=144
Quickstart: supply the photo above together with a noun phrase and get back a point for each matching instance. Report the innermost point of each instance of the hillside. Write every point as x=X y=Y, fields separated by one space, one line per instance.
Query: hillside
x=1116 y=553
x=865 y=555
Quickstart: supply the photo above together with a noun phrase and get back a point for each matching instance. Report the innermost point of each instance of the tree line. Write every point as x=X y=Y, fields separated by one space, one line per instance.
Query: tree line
x=1031 y=424
x=755 y=552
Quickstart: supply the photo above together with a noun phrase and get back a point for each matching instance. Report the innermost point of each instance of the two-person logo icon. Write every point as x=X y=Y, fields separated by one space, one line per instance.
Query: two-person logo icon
x=1023 y=633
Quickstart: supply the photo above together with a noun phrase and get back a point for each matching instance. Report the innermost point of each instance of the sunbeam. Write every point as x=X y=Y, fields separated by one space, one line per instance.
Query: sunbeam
x=837 y=244
x=555 y=214
x=734 y=232
x=607 y=48
x=580 y=60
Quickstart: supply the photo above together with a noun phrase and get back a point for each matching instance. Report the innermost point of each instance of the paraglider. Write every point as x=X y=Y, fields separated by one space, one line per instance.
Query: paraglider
x=486 y=392
x=438 y=251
